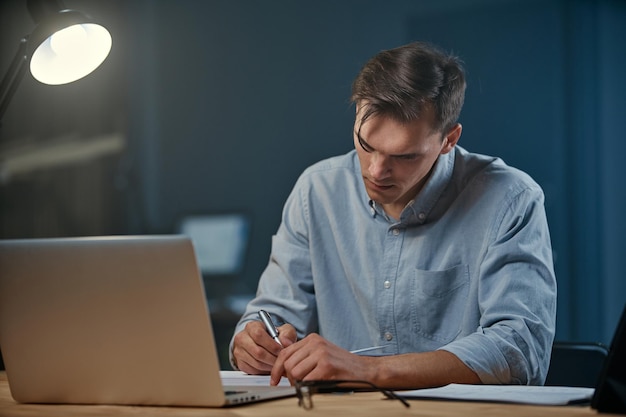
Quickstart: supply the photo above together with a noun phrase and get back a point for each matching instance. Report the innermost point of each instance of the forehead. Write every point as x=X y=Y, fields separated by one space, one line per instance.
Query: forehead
x=388 y=135
x=424 y=110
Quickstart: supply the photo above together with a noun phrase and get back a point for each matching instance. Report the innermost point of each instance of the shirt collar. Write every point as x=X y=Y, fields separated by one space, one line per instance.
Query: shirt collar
x=418 y=210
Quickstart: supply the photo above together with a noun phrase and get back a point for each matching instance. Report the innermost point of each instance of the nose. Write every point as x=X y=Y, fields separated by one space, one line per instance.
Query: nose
x=379 y=166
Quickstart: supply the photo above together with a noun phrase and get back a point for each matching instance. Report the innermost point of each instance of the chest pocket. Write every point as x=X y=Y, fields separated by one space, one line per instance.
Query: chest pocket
x=438 y=301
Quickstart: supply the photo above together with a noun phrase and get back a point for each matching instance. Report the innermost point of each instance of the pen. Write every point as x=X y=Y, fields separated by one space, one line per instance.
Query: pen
x=269 y=325
x=368 y=349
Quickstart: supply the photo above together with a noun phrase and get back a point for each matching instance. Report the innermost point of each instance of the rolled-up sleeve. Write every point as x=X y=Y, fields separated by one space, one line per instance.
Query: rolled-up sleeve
x=516 y=294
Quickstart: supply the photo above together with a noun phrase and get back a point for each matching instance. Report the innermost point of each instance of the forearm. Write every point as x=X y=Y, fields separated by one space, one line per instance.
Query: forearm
x=420 y=370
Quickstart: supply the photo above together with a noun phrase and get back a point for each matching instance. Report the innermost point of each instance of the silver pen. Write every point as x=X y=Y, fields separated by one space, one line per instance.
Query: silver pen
x=368 y=349
x=269 y=325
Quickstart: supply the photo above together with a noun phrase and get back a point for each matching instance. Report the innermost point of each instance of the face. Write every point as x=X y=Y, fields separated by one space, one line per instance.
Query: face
x=396 y=158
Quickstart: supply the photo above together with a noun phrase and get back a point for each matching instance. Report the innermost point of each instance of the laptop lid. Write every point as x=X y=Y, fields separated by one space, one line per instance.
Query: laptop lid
x=610 y=393
x=108 y=320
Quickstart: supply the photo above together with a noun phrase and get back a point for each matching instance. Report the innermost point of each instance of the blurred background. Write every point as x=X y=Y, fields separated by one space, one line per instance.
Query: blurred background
x=206 y=112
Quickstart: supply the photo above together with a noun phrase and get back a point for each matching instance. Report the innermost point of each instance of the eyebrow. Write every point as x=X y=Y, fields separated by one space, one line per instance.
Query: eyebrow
x=369 y=148
x=366 y=146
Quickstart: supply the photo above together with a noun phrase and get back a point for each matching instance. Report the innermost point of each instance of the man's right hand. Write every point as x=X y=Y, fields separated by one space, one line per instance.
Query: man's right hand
x=255 y=352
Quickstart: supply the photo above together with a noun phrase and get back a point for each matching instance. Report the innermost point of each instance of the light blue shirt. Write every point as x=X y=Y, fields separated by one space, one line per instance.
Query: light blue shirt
x=467 y=268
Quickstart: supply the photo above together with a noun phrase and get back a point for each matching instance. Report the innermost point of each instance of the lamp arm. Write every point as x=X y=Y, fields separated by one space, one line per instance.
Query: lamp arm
x=14 y=75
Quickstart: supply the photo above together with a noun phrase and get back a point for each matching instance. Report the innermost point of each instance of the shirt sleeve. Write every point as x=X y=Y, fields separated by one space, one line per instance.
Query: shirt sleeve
x=285 y=287
x=516 y=296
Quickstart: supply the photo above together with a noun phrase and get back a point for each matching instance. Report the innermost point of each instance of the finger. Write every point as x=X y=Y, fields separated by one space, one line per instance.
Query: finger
x=315 y=358
x=262 y=338
x=250 y=362
x=287 y=335
x=278 y=370
x=301 y=367
x=301 y=359
x=253 y=367
x=301 y=355
x=254 y=350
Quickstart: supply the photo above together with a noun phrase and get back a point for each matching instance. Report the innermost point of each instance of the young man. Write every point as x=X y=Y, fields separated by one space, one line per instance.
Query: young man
x=436 y=261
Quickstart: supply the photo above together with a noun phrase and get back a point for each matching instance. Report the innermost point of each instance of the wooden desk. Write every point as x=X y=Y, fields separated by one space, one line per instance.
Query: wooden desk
x=327 y=405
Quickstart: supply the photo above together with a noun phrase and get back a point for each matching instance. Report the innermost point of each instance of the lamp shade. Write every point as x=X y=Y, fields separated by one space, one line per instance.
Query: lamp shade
x=67 y=46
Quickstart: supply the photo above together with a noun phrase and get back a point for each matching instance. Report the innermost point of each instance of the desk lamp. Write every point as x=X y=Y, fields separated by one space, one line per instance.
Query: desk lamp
x=65 y=46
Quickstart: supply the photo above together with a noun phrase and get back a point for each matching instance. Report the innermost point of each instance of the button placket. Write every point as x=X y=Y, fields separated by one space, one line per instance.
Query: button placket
x=387 y=284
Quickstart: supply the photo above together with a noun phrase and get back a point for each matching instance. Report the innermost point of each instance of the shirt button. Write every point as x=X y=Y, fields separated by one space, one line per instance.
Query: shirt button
x=387 y=284
x=396 y=232
x=421 y=216
x=388 y=336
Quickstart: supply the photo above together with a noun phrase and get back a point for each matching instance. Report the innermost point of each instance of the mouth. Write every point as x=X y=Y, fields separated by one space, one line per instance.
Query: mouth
x=377 y=186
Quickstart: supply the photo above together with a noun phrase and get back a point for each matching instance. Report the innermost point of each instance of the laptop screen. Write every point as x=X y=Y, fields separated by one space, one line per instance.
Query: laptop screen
x=107 y=320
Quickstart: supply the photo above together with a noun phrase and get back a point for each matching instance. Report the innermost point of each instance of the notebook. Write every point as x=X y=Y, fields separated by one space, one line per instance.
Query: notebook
x=111 y=320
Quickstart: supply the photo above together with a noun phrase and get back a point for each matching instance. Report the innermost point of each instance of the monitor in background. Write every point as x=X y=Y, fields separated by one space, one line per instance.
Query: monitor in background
x=220 y=241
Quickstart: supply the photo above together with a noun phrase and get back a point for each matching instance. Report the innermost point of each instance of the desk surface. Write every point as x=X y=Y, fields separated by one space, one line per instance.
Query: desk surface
x=361 y=404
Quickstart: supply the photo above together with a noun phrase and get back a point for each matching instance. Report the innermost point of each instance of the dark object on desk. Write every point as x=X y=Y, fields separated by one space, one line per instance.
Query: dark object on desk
x=305 y=390
x=576 y=364
x=610 y=394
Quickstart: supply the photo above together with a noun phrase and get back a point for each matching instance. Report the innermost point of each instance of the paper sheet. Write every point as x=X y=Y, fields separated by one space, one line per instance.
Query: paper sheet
x=520 y=394
x=235 y=378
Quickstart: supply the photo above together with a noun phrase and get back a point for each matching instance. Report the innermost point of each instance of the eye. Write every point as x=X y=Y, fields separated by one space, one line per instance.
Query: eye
x=408 y=157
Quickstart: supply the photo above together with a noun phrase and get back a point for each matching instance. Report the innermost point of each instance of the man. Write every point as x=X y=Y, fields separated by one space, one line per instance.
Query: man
x=433 y=262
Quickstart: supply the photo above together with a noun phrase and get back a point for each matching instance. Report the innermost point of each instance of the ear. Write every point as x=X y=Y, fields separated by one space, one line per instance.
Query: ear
x=451 y=138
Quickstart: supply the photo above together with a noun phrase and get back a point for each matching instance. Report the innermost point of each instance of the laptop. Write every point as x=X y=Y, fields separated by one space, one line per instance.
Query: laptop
x=111 y=320
x=610 y=393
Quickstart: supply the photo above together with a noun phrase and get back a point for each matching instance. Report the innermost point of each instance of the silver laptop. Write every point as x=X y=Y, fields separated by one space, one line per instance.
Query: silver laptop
x=111 y=320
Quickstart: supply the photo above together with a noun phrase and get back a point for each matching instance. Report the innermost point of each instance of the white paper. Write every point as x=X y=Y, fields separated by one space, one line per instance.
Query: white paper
x=238 y=378
x=520 y=394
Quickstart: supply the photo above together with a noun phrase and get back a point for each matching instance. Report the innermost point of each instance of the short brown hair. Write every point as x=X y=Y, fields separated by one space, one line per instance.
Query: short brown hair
x=402 y=82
